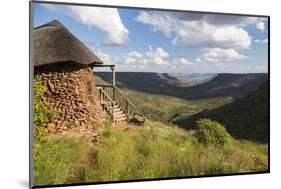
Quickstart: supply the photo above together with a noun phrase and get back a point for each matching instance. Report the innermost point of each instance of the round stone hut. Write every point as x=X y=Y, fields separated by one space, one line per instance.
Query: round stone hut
x=65 y=66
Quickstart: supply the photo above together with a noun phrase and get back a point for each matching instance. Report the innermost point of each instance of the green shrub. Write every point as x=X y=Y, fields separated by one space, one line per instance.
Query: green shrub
x=43 y=114
x=96 y=125
x=63 y=161
x=153 y=151
x=108 y=127
x=108 y=123
x=212 y=133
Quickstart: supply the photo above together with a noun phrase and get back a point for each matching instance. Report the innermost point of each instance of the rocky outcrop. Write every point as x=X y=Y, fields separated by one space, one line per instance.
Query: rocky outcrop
x=72 y=93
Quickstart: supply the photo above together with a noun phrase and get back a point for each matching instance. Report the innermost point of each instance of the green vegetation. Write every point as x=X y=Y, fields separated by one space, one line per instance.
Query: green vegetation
x=165 y=107
x=244 y=118
x=222 y=85
x=169 y=109
x=152 y=151
x=212 y=133
x=62 y=161
x=43 y=114
x=158 y=149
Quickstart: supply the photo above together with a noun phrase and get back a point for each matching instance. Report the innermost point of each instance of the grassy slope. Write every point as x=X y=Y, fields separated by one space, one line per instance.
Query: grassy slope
x=245 y=118
x=153 y=151
x=164 y=108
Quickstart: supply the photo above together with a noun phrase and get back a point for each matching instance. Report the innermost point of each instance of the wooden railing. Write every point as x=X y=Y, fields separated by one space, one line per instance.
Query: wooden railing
x=106 y=102
x=121 y=100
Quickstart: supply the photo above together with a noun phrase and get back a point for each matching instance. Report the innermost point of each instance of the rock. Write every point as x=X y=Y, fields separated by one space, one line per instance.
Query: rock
x=51 y=126
x=137 y=119
x=64 y=128
x=76 y=90
x=82 y=129
x=76 y=122
x=51 y=86
x=69 y=88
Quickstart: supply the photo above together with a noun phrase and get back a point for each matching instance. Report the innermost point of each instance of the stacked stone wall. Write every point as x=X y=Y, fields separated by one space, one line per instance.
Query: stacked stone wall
x=72 y=93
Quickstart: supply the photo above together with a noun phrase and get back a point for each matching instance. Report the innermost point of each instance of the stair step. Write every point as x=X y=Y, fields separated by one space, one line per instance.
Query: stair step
x=109 y=105
x=115 y=109
x=119 y=113
x=115 y=106
x=107 y=102
x=121 y=119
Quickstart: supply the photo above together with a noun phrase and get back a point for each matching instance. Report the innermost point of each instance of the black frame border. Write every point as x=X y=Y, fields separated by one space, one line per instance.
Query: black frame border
x=31 y=168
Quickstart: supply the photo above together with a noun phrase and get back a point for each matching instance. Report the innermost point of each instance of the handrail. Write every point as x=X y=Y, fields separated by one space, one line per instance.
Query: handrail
x=125 y=100
x=104 y=93
x=107 y=102
x=100 y=85
x=118 y=90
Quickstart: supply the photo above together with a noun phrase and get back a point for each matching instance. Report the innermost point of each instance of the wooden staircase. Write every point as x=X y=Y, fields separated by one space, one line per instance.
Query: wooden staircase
x=119 y=115
x=116 y=104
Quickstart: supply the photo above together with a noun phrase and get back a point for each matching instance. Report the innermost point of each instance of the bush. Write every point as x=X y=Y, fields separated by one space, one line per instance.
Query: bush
x=43 y=114
x=212 y=133
x=62 y=161
x=153 y=151
x=108 y=127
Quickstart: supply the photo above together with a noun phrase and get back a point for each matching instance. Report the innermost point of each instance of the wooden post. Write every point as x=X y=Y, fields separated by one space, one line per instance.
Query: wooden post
x=113 y=116
x=101 y=100
x=127 y=108
x=113 y=81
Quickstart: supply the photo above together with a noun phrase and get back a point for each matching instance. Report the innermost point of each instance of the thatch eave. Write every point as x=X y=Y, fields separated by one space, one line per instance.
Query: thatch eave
x=53 y=43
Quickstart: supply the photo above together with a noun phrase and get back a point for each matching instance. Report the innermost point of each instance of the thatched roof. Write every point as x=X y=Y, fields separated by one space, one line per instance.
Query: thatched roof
x=53 y=43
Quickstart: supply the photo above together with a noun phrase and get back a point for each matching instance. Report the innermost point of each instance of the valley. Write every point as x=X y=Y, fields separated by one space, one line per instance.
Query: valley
x=235 y=104
x=239 y=101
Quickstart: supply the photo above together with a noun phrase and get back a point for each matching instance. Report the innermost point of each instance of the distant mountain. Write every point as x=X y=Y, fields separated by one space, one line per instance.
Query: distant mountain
x=245 y=118
x=156 y=83
x=234 y=85
x=194 y=78
x=225 y=84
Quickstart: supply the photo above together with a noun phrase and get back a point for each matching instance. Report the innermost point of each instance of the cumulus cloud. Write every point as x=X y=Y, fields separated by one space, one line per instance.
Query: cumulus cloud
x=181 y=61
x=217 y=55
x=143 y=61
x=260 y=26
x=151 y=56
x=105 y=19
x=261 y=41
x=200 y=31
x=106 y=58
x=230 y=20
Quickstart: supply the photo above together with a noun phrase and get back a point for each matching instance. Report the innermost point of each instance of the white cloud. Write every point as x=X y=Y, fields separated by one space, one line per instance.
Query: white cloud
x=151 y=56
x=181 y=61
x=200 y=31
x=261 y=41
x=230 y=20
x=106 y=58
x=140 y=62
x=260 y=26
x=198 y=59
x=133 y=58
x=105 y=19
x=217 y=55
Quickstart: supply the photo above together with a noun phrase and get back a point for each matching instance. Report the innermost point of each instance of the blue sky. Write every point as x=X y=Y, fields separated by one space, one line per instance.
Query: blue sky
x=165 y=41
